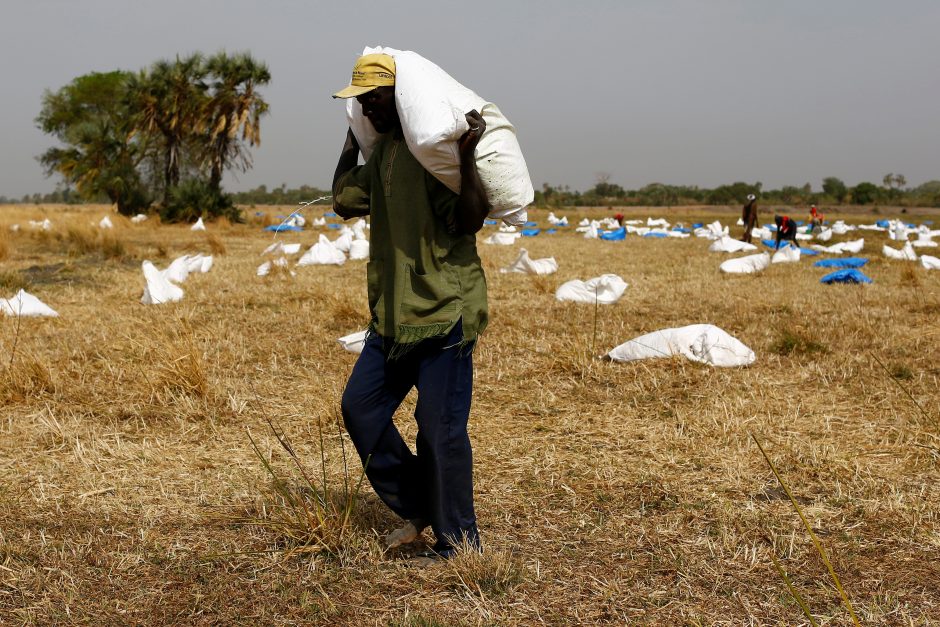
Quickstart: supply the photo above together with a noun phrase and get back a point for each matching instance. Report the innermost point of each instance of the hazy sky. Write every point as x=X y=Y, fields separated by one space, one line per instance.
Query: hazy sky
x=685 y=92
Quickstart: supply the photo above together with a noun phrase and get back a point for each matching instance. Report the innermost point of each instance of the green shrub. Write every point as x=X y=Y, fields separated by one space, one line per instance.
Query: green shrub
x=193 y=199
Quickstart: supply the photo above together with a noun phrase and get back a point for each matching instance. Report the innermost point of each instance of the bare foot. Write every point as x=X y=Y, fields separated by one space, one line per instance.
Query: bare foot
x=406 y=534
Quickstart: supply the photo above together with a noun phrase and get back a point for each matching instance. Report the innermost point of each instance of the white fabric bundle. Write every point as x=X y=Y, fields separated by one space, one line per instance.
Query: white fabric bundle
x=322 y=253
x=354 y=342
x=507 y=228
x=841 y=228
x=432 y=107
x=45 y=225
x=590 y=231
x=138 y=218
x=726 y=244
x=924 y=241
x=604 y=290
x=279 y=248
x=25 y=304
x=930 y=263
x=870 y=227
x=746 y=265
x=158 y=289
x=658 y=222
x=906 y=254
x=177 y=271
x=853 y=246
x=199 y=226
x=319 y=222
x=359 y=229
x=265 y=268
x=344 y=241
x=359 y=249
x=531 y=266
x=711 y=231
x=105 y=223
x=502 y=239
x=199 y=263
x=787 y=254
x=704 y=343
x=824 y=235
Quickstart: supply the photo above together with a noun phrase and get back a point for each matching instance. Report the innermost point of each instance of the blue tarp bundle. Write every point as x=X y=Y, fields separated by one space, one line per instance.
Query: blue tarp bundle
x=849 y=275
x=334 y=226
x=844 y=262
x=278 y=228
x=655 y=235
x=769 y=243
x=883 y=224
x=258 y=214
x=681 y=229
x=550 y=231
x=697 y=225
x=490 y=222
x=809 y=252
x=616 y=234
x=330 y=214
x=531 y=223
x=530 y=232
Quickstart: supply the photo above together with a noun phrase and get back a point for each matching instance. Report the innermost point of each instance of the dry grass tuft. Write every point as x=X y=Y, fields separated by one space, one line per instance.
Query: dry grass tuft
x=795 y=342
x=25 y=378
x=215 y=243
x=910 y=276
x=12 y=280
x=491 y=573
x=181 y=369
x=4 y=243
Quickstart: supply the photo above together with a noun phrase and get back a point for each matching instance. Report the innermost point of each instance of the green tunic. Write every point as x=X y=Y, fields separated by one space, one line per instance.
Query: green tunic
x=423 y=277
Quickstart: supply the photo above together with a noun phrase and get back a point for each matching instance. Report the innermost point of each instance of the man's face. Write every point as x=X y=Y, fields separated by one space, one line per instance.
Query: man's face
x=379 y=106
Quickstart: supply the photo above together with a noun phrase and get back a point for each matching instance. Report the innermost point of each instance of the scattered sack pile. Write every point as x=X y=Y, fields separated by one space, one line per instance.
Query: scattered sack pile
x=432 y=107
x=526 y=265
x=161 y=284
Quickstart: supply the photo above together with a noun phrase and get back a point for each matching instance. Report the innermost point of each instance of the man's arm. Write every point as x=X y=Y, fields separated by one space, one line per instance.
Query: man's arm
x=472 y=204
x=348 y=159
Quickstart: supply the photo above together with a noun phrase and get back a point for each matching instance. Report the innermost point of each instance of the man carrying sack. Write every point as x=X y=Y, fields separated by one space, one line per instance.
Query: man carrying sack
x=427 y=297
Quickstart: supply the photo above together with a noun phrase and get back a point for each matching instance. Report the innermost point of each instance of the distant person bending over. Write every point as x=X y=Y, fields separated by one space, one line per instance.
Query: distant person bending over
x=815 y=218
x=427 y=297
x=749 y=217
x=786 y=230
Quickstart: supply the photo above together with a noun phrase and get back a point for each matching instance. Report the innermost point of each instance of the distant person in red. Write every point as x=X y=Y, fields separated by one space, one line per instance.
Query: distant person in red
x=749 y=217
x=815 y=218
x=619 y=219
x=786 y=230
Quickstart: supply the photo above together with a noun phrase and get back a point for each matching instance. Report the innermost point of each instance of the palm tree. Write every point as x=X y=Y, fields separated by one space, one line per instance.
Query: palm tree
x=169 y=100
x=233 y=108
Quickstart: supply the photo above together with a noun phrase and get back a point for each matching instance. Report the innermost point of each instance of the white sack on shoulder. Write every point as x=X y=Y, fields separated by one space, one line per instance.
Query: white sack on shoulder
x=746 y=265
x=526 y=265
x=704 y=343
x=25 y=304
x=354 y=342
x=158 y=289
x=432 y=107
x=605 y=290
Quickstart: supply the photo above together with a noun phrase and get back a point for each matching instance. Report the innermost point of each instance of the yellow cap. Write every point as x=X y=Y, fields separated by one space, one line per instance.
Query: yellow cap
x=370 y=71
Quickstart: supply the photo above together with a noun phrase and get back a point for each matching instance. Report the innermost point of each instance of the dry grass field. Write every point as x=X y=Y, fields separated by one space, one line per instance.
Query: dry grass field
x=130 y=492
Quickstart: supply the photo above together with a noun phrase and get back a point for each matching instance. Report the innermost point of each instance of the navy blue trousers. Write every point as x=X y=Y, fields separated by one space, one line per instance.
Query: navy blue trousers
x=436 y=483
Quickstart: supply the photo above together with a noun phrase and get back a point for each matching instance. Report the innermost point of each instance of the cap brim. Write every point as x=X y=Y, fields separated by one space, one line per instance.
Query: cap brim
x=352 y=91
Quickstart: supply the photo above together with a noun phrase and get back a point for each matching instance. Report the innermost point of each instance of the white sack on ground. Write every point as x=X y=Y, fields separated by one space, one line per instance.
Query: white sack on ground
x=923 y=241
x=279 y=248
x=507 y=228
x=526 y=265
x=605 y=290
x=824 y=235
x=319 y=222
x=841 y=228
x=199 y=226
x=657 y=222
x=178 y=270
x=787 y=254
x=265 y=268
x=761 y=232
x=359 y=229
x=354 y=342
x=344 y=241
x=704 y=343
x=746 y=265
x=906 y=254
x=853 y=246
x=199 y=263
x=727 y=244
x=711 y=231
x=45 y=225
x=138 y=218
x=105 y=223
x=322 y=253
x=158 y=289
x=930 y=263
x=431 y=105
x=502 y=239
x=359 y=249
x=25 y=304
